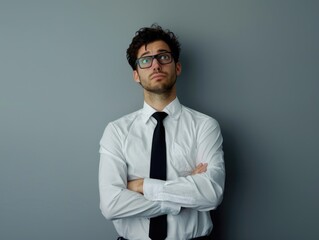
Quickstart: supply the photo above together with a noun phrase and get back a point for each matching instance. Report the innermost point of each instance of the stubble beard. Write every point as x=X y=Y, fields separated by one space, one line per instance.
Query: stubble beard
x=163 y=89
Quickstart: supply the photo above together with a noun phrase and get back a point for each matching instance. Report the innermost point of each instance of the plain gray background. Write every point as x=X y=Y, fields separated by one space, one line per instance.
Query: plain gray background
x=252 y=65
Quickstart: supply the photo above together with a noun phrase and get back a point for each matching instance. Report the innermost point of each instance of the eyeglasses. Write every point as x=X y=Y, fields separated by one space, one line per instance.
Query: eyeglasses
x=147 y=61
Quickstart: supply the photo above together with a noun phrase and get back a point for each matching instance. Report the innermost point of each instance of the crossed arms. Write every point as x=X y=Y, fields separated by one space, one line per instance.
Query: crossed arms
x=202 y=190
x=137 y=185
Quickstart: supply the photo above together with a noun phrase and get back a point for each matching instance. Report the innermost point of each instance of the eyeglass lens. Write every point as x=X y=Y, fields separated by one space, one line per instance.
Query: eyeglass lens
x=162 y=58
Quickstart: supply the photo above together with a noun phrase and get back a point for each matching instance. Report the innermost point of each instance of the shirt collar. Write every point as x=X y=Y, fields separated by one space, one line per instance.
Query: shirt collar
x=173 y=110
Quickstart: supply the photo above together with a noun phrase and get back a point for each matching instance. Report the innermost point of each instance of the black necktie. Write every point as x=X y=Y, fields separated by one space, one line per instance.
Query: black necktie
x=158 y=225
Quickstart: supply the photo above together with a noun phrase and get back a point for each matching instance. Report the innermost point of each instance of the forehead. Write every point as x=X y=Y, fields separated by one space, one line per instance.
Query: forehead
x=153 y=48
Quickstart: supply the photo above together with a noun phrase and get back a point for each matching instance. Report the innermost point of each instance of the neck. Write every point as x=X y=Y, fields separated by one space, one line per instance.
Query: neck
x=159 y=101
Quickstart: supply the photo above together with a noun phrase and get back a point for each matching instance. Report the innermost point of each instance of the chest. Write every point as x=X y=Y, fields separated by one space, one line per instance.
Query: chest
x=181 y=150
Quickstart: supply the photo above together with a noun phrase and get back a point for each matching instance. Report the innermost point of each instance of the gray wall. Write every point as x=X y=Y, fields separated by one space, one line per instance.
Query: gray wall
x=253 y=65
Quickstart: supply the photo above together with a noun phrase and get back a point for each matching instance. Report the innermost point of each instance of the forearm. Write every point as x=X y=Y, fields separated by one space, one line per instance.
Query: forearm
x=205 y=194
x=116 y=201
x=137 y=185
x=129 y=204
x=199 y=191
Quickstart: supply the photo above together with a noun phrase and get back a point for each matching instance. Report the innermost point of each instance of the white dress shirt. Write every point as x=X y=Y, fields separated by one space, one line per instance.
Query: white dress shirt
x=125 y=150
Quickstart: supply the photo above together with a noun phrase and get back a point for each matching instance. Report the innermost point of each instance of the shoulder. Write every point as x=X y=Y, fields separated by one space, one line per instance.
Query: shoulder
x=121 y=125
x=127 y=119
x=199 y=118
x=203 y=125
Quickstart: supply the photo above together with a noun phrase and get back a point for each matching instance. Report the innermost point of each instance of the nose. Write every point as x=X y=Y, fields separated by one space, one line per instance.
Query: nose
x=156 y=65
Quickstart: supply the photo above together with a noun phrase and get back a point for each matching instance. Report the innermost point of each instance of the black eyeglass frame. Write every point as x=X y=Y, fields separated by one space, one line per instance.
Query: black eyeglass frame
x=152 y=59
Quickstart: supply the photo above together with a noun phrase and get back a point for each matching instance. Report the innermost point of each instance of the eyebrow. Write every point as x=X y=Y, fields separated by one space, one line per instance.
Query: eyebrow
x=158 y=51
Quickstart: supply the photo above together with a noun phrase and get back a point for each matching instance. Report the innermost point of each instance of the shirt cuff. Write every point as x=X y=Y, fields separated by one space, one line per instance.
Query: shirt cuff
x=170 y=208
x=153 y=189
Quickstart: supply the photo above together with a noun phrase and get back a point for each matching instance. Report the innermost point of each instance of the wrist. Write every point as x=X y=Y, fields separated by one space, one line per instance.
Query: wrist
x=136 y=185
x=140 y=186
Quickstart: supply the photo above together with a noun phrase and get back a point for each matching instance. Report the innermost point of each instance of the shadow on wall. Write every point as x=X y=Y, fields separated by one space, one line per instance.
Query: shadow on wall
x=191 y=86
x=221 y=215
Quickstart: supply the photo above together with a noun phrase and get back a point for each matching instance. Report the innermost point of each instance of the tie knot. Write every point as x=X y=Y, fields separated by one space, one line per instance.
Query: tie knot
x=159 y=116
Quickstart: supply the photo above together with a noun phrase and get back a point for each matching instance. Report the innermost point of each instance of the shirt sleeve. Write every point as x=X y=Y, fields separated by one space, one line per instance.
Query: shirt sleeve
x=116 y=201
x=203 y=191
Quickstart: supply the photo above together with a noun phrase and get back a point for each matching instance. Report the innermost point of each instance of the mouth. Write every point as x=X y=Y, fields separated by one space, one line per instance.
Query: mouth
x=158 y=75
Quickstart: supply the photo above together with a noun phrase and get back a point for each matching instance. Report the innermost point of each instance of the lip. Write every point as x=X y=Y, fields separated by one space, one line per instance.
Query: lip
x=158 y=75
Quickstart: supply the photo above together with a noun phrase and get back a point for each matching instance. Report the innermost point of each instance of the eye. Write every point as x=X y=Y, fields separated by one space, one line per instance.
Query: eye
x=145 y=60
x=164 y=56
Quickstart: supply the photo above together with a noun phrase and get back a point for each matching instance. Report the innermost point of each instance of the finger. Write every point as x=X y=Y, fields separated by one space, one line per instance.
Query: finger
x=202 y=168
x=197 y=168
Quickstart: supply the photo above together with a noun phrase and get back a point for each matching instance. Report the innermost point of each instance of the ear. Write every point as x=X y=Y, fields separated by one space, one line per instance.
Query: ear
x=136 y=77
x=178 y=67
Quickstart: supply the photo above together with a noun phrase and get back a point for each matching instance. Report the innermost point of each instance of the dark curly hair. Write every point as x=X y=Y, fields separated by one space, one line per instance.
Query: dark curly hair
x=148 y=35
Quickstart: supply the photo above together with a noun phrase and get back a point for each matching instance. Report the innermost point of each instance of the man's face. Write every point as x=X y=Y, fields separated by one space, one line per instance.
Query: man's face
x=159 y=78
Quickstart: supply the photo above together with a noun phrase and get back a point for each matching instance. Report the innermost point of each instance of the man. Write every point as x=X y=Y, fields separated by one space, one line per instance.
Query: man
x=142 y=202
